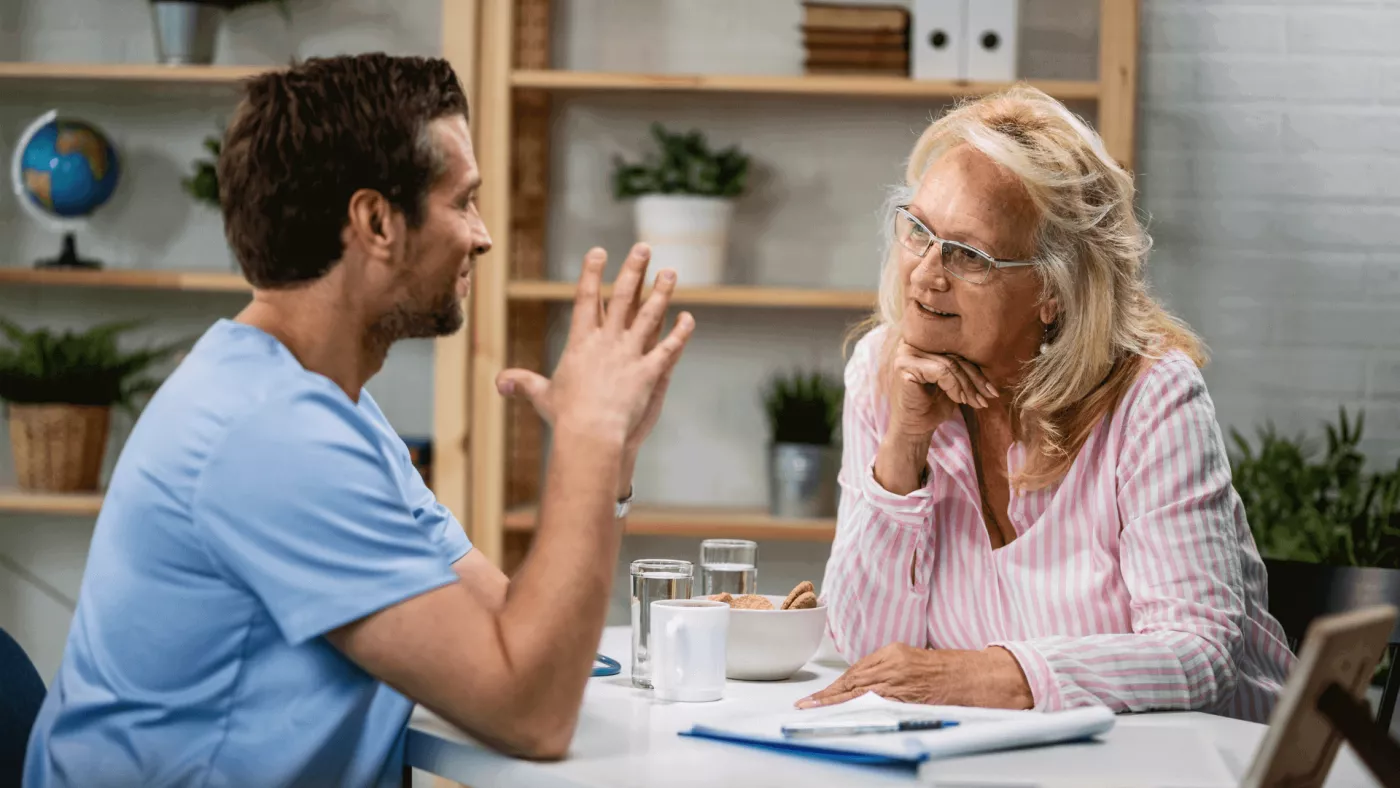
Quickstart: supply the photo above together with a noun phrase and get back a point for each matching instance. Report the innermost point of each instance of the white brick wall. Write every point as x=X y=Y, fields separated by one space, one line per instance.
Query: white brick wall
x=1269 y=164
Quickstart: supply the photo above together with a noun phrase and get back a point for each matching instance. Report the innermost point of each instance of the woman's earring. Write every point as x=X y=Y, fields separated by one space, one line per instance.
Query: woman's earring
x=1045 y=340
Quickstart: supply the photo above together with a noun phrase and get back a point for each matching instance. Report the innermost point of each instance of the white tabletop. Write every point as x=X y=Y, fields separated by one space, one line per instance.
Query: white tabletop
x=627 y=738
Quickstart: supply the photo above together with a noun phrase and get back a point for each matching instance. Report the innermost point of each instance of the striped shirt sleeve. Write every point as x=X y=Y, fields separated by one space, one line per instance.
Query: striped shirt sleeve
x=876 y=582
x=1180 y=559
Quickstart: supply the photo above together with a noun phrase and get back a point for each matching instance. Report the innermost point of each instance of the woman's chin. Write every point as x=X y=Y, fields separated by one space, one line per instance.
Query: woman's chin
x=929 y=338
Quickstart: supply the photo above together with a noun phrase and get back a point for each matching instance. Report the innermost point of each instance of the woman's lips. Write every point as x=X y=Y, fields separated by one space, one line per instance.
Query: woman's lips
x=931 y=312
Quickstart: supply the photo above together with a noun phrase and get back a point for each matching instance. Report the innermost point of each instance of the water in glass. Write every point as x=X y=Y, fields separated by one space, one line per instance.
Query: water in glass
x=653 y=579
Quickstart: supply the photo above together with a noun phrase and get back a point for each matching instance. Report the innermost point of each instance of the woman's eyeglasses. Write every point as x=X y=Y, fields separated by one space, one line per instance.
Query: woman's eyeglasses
x=965 y=262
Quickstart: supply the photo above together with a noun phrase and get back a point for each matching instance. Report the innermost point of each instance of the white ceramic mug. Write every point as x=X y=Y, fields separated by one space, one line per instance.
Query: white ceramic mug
x=688 y=638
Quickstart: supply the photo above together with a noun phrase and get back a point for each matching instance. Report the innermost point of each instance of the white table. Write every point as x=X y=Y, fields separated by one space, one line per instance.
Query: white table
x=626 y=738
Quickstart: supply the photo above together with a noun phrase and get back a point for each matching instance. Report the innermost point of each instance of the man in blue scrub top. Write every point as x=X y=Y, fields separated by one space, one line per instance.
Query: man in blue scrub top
x=270 y=585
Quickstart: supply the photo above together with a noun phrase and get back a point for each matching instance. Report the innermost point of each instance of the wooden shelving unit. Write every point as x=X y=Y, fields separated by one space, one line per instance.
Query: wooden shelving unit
x=129 y=279
x=511 y=298
x=127 y=72
x=816 y=85
x=451 y=391
x=735 y=296
x=24 y=501
x=700 y=522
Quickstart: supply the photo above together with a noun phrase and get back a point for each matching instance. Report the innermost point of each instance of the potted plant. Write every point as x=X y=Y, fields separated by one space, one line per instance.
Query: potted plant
x=59 y=391
x=684 y=202
x=203 y=183
x=186 y=29
x=1328 y=529
x=804 y=418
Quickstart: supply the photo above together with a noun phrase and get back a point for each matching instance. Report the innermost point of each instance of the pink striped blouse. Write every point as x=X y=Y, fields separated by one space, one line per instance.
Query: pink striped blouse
x=1133 y=583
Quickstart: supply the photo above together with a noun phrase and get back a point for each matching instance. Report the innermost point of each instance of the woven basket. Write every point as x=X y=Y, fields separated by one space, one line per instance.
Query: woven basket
x=58 y=448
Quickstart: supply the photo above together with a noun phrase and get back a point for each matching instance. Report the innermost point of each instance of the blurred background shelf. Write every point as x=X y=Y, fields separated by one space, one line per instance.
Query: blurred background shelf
x=700 y=522
x=194 y=281
x=820 y=85
x=16 y=500
x=128 y=72
x=743 y=296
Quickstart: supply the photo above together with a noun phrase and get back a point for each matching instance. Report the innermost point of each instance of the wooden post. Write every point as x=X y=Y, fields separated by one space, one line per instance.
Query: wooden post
x=489 y=288
x=524 y=457
x=1118 y=56
x=451 y=377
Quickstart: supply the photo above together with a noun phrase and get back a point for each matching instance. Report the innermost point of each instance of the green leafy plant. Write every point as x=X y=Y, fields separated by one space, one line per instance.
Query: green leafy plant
x=804 y=408
x=203 y=184
x=684 y=165
x=77 y=368
x=1322 y=509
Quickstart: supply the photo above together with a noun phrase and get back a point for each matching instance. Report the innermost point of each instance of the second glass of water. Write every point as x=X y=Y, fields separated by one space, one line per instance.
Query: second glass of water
x=653 y=579
x=728 y=565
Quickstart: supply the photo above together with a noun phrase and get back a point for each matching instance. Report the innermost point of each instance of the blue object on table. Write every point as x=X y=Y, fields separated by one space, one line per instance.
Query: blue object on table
x=608 y=666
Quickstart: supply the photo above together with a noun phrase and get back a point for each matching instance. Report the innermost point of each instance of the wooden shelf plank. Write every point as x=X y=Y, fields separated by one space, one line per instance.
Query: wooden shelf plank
x=854 y=86
x=129 y=72
x=741 y=296
x=702 y=523
x=128 y=279
x=17 y=500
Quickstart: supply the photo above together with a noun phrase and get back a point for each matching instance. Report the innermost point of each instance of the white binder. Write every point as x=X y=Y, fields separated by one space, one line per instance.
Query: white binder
x=991 y=40
x=937 y=39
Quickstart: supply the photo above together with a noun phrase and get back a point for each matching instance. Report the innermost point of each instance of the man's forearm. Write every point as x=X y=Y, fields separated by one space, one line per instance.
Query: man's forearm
x=558 y=599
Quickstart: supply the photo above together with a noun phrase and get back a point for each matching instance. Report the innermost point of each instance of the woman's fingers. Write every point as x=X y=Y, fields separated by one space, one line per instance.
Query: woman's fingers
x=974 y=373
x=946 y=375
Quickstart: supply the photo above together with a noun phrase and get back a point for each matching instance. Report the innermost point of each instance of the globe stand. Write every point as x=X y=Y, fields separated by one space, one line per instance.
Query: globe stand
x=68 y=258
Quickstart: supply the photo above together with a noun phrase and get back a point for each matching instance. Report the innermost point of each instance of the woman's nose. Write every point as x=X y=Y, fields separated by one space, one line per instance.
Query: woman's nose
x=930 y=273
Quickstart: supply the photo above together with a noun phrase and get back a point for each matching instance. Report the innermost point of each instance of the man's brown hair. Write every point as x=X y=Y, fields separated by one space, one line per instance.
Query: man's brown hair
x=303 y=140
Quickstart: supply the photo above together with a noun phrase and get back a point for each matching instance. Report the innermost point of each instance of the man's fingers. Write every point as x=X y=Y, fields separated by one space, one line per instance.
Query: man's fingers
x=649 y=318
x=590 y=285
x=629 y=281
x=524 y=384
x=668 y=351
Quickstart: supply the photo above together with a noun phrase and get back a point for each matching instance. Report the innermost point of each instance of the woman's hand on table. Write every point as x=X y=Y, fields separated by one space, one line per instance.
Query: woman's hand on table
x=925 y=391
x=991 y=678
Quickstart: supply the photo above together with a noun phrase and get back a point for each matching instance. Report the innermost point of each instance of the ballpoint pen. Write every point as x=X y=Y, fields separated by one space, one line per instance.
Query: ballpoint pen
x=856 y=728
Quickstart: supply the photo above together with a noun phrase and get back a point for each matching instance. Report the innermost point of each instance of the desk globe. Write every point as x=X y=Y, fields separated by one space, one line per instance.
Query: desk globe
x=63 y=170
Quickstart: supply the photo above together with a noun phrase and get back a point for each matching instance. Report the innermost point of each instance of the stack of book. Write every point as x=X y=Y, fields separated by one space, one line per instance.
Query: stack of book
x=849 y=38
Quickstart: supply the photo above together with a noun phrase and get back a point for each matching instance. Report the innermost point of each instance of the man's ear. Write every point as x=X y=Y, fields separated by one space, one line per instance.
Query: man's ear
x=370 y=222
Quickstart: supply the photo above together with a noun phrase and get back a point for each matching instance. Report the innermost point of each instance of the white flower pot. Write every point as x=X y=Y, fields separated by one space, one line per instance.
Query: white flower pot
x=686 y=233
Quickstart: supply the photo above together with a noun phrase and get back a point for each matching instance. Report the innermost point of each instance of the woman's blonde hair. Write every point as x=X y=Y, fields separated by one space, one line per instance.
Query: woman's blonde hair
x=1090 y=252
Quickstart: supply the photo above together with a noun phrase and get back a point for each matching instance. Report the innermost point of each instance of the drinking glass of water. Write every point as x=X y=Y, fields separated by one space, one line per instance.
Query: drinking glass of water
x=728 y=565
x=653 y=579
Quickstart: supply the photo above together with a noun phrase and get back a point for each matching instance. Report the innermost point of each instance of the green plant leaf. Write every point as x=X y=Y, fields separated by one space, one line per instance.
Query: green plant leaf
x=681 y=164
x=78 y=368
x=1323 y=508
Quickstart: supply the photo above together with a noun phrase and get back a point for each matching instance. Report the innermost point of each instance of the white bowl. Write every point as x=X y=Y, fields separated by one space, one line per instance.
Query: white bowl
x=771 y=645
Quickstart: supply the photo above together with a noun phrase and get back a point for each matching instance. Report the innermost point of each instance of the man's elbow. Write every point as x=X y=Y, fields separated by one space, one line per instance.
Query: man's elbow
x=537 y=739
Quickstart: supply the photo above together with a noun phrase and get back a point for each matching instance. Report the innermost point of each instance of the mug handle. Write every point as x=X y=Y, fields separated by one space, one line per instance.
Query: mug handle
x=676 y=635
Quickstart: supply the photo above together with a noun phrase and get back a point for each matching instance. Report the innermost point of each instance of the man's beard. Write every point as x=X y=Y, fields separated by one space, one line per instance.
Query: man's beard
x=412 y=320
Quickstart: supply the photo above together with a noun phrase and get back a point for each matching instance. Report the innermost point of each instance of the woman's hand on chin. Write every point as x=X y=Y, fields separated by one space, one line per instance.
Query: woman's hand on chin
x=991 y=678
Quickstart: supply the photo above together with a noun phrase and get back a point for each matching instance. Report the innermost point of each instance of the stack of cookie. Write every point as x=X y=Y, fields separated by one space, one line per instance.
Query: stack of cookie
x=802 y=597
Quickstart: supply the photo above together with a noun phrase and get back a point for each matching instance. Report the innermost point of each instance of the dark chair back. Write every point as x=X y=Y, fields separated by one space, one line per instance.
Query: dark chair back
x=1300 y=592
x=21 y=694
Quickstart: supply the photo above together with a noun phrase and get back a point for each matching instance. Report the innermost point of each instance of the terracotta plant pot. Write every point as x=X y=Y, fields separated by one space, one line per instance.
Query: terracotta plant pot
x=59 y=448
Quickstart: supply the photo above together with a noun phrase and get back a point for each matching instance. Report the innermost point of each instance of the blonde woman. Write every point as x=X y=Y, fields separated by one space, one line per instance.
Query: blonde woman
x=1036 y=506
